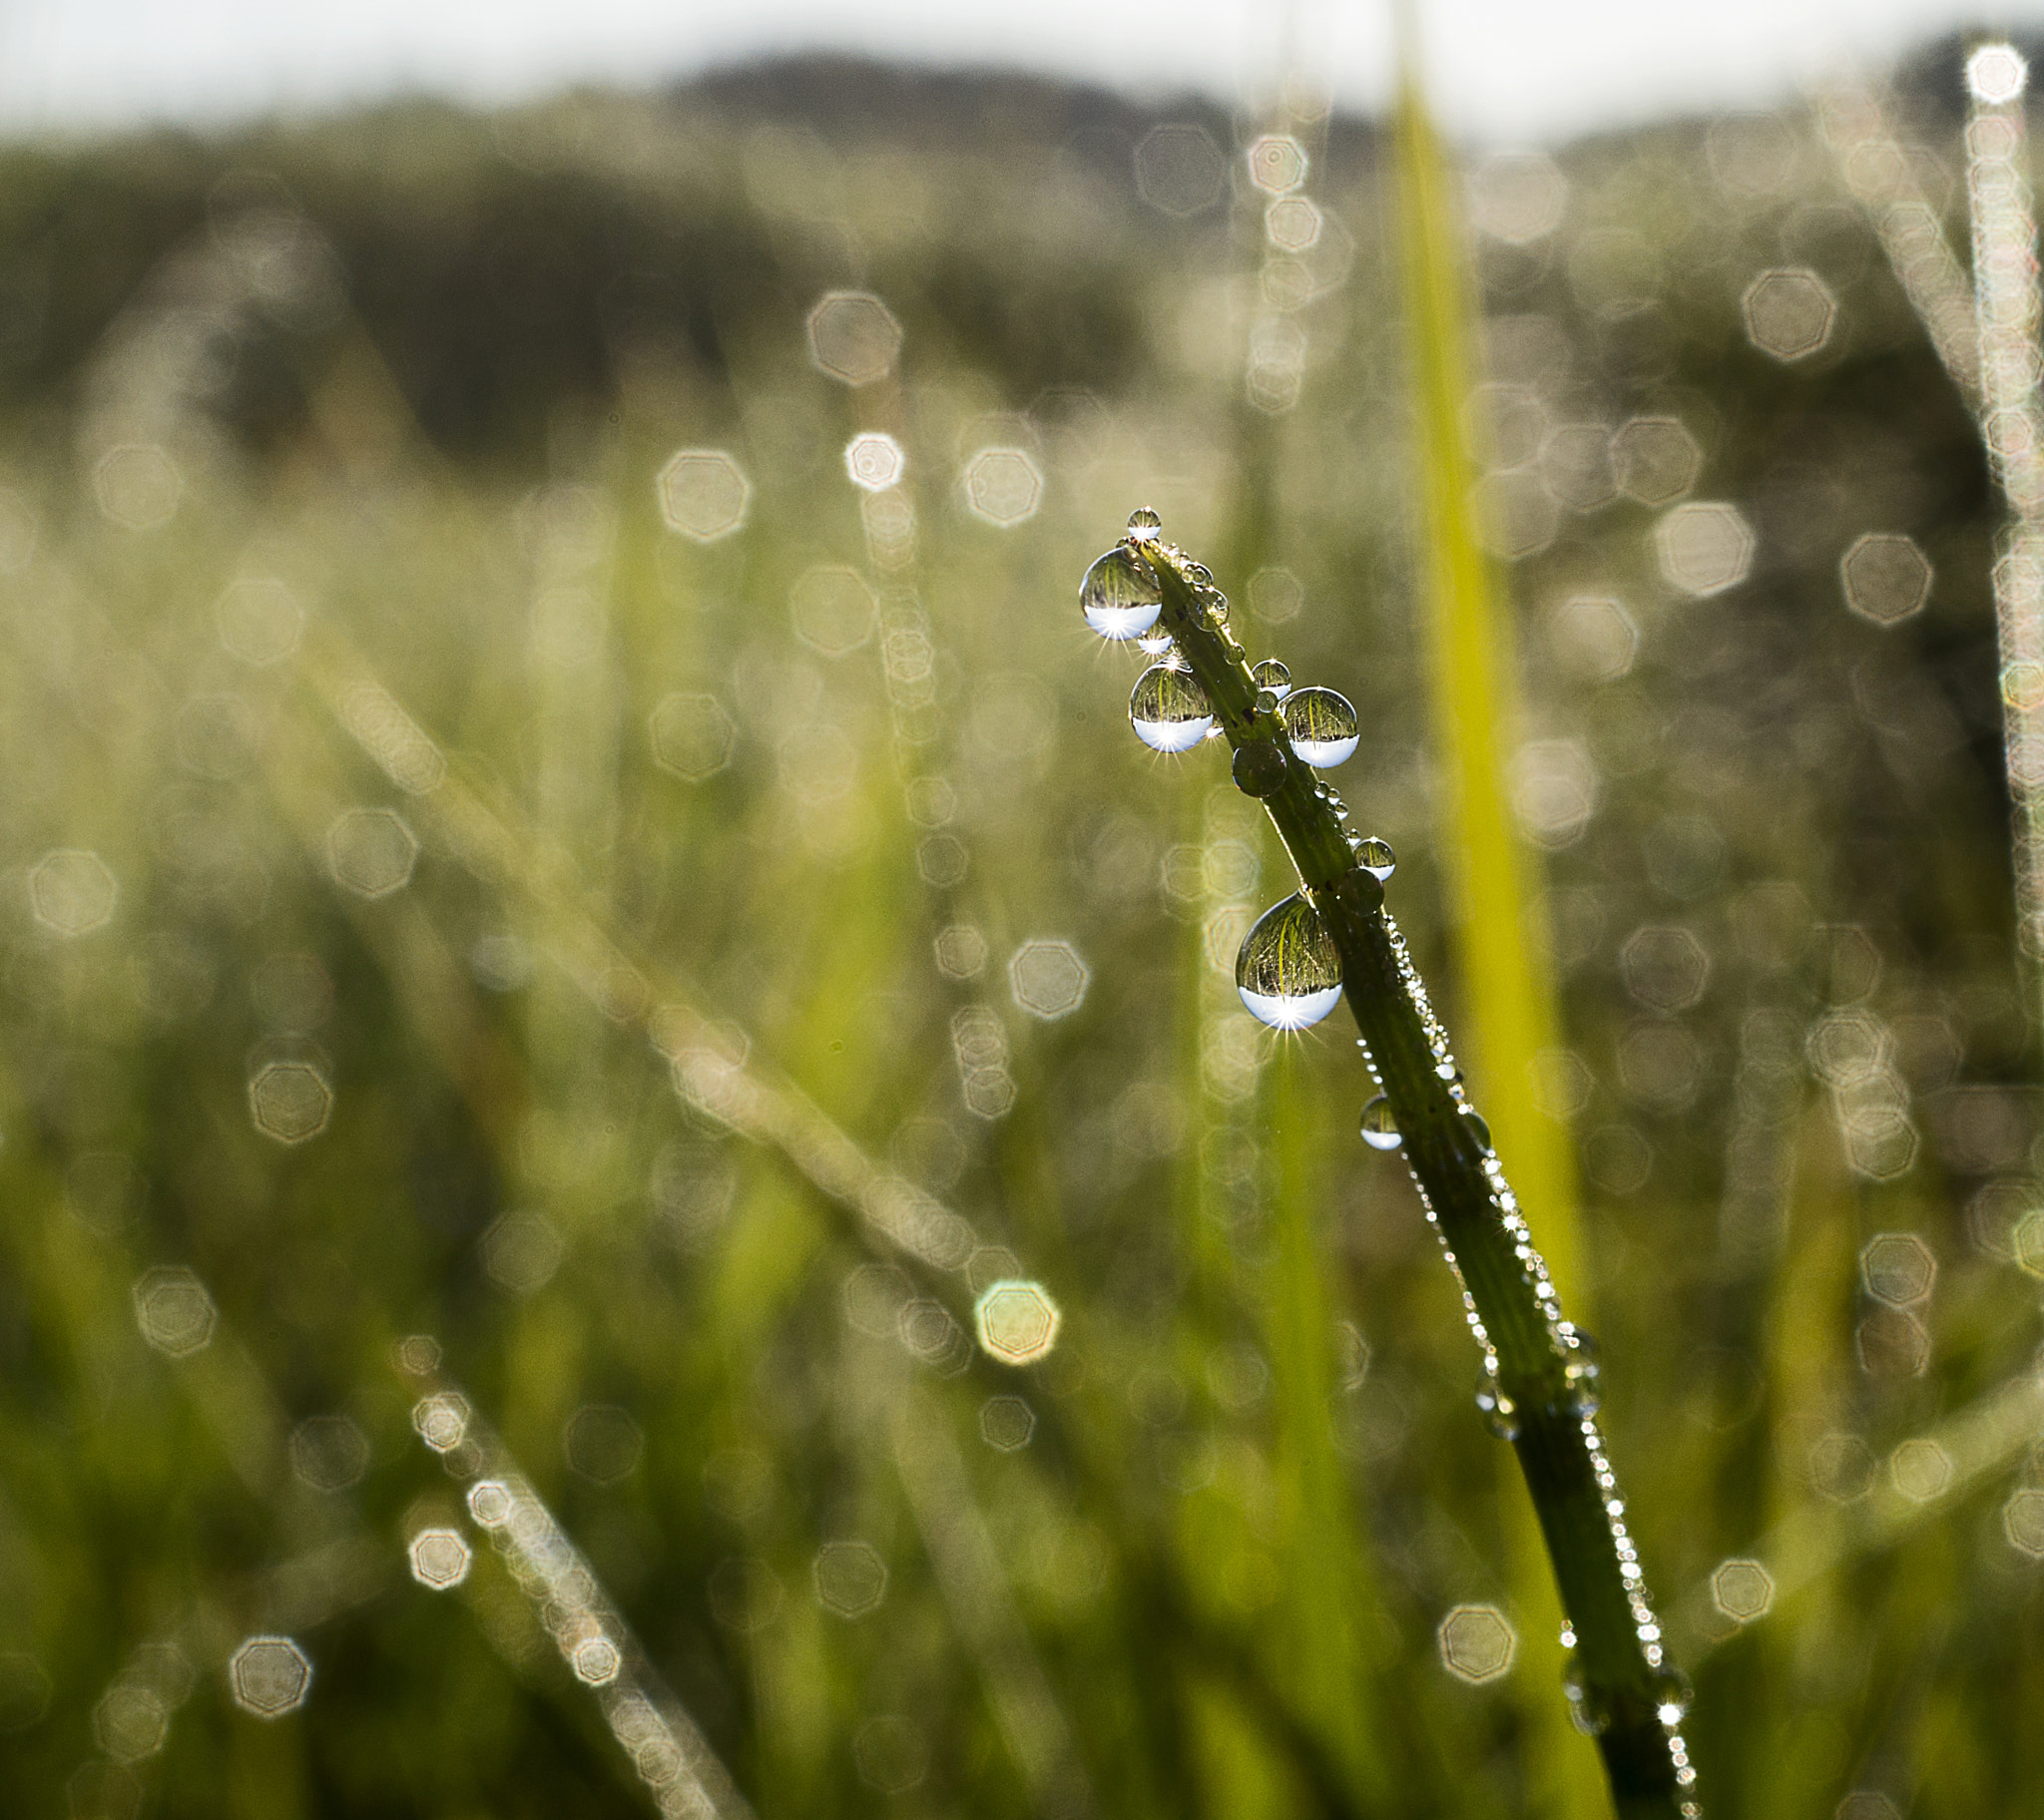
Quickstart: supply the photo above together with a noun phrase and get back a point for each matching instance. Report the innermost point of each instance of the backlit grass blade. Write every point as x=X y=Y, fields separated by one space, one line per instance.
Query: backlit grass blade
x=1508 y=992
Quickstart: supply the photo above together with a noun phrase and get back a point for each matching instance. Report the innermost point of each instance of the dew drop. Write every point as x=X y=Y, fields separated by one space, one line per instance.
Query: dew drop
x=1143 y=524
x=1120 y=595
x=1199 y=575
x=1379 y=1129
x=1288 y=971
x=1155 y=643
x=1272 y=676
x=1169 y=709
x=1585 y=1374
x=1265 y=701
x=1590 y=1712
x=1500 y=1413
x=1478 y=1123
x=1321 y=725
x=1672 y=1696
x=1373 y=854
x=1259 y=768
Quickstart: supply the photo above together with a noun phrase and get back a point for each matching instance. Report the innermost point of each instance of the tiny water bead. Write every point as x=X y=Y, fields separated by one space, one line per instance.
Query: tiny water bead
x=1585 y=1372
x=1500 y=1413
x=1120 y=595
x=1143 y=524
x=1373 y=854
x=1672 y=1696
x=1259 y=768
x=1169 y=709
x=1272 y=675
x=1477 y=1125
x=1288 y=971
x=1379 y=1129
x=1321 y=725
x=1591 y=1714
x=1265 y=701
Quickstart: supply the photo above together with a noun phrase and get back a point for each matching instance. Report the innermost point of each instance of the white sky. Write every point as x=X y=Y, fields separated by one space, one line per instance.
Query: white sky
x=1500 y=70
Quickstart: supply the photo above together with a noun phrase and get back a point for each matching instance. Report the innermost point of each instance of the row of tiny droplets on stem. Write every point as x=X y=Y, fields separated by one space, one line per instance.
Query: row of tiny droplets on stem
x=1114 y=604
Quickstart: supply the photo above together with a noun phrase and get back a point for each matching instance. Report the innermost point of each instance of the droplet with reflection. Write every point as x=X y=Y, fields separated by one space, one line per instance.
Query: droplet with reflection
x=1169 y=709
x=1379 y=1129
x=1321 y=725
x=1288 y=971
x=1500 y=1413
x=1120 y=595
x=1373 y=854
x=1274 y=676
x=1143 y=524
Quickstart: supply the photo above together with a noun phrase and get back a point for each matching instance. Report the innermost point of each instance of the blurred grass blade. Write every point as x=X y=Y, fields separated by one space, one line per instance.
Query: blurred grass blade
x=1507 y=991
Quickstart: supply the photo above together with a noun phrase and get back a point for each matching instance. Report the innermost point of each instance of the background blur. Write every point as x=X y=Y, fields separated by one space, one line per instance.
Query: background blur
x=576 y=894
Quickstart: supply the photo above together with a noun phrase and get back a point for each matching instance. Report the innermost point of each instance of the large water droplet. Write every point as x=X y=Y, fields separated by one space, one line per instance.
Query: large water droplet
x=1499 y=1410
x=1120 y=595
x=1288 y=971
x=1379 y=1129
x=1373 y=854
x=1143 y=524
x=1321 y=725
x=1259 y=768
x=1272 y=675
x=1169 y=709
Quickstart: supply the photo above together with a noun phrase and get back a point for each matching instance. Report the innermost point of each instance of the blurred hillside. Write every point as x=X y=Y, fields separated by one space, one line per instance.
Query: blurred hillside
x=539 y=977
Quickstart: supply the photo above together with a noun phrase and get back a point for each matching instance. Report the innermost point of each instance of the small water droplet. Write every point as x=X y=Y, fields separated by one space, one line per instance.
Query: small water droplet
x=1672 y=1696
x=1591 y=1713
x=1215 y=605
x=1274 y=676
x=1259 y=768
x=1266 y=702
x=1169 y=709
x=1120 y=595
x=1379 y=1129
x=1155 y=643
x=1500 y=1413
x=1199 y=574
x=1321 y=725
x=1478 y=1123
x=1288 y=971
x=1585 y=1374
x=1373 y=854
x=1143 y=524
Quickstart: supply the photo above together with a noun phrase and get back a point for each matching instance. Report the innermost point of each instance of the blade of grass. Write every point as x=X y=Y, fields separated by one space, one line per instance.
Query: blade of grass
x=1540 y=1368
x=1510 y=993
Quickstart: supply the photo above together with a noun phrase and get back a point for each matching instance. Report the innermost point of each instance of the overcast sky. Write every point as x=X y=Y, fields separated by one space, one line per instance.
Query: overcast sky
x=1501 y=70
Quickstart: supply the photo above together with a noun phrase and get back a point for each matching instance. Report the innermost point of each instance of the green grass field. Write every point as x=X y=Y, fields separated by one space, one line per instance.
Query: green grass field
x=530 y=963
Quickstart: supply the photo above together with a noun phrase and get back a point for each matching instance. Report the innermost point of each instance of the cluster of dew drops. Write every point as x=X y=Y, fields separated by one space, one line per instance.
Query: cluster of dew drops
x=1289 y=973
